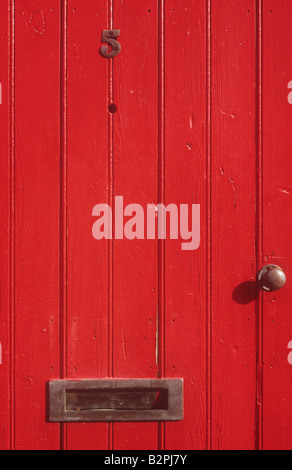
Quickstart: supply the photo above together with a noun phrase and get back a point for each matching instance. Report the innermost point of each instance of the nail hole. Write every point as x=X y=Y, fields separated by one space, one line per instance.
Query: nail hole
x=113 y=108
x=189 y=145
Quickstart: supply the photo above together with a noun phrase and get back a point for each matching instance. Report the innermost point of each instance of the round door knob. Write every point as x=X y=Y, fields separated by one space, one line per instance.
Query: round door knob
x=271 y=278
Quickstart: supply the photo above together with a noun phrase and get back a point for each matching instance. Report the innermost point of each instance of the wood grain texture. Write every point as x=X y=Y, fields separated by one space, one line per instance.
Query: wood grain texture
x=135 y=265
x=37 y=202
x=233 y=224
x=277 y=222
x=5 y=227
x=185 y=183
x=87 y=344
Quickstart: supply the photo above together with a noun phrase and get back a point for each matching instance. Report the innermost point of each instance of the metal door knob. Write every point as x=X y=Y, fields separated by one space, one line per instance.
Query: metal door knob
x=271 y=278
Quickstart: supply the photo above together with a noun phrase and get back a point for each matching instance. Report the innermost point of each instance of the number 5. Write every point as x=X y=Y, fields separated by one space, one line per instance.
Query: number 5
x=109 y=37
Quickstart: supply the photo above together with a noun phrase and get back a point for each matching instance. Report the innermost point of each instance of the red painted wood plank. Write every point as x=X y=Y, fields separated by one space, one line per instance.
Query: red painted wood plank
x=63 y=201
x=277 y=222
x=37 y=220
x=185 y=183
x=233 y=223
x=259 y=228
x=135 y=268
x=5 y=226
x=87 y=186
x=160 y=353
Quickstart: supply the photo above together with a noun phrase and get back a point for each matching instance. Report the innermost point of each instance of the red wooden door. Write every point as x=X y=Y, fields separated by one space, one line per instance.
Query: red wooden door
x=195 y=109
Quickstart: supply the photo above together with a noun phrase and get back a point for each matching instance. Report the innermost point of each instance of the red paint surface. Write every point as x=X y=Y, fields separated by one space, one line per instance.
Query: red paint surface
x=37 y=222
x=277 y=223
x=233 y=215
x=6 y=228
x=202 y=116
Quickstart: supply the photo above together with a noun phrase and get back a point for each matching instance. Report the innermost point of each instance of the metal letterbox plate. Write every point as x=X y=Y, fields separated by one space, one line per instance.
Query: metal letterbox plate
x=116 y=400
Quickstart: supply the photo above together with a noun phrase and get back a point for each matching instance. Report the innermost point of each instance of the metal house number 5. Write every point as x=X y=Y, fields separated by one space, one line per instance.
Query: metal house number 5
x=114 y=47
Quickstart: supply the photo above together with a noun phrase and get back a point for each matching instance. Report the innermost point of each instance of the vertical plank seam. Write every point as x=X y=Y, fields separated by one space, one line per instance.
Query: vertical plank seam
x=209 y=228
x=63 y=203
x=12 y=217
x=110 y=21
x=161 y=196
x=259 y=222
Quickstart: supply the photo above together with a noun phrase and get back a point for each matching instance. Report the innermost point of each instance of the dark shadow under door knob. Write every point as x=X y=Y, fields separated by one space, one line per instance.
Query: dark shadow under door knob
x=271 y=278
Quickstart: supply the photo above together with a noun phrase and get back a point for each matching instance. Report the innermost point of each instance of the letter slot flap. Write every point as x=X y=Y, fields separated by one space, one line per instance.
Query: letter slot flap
x=116 y=400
